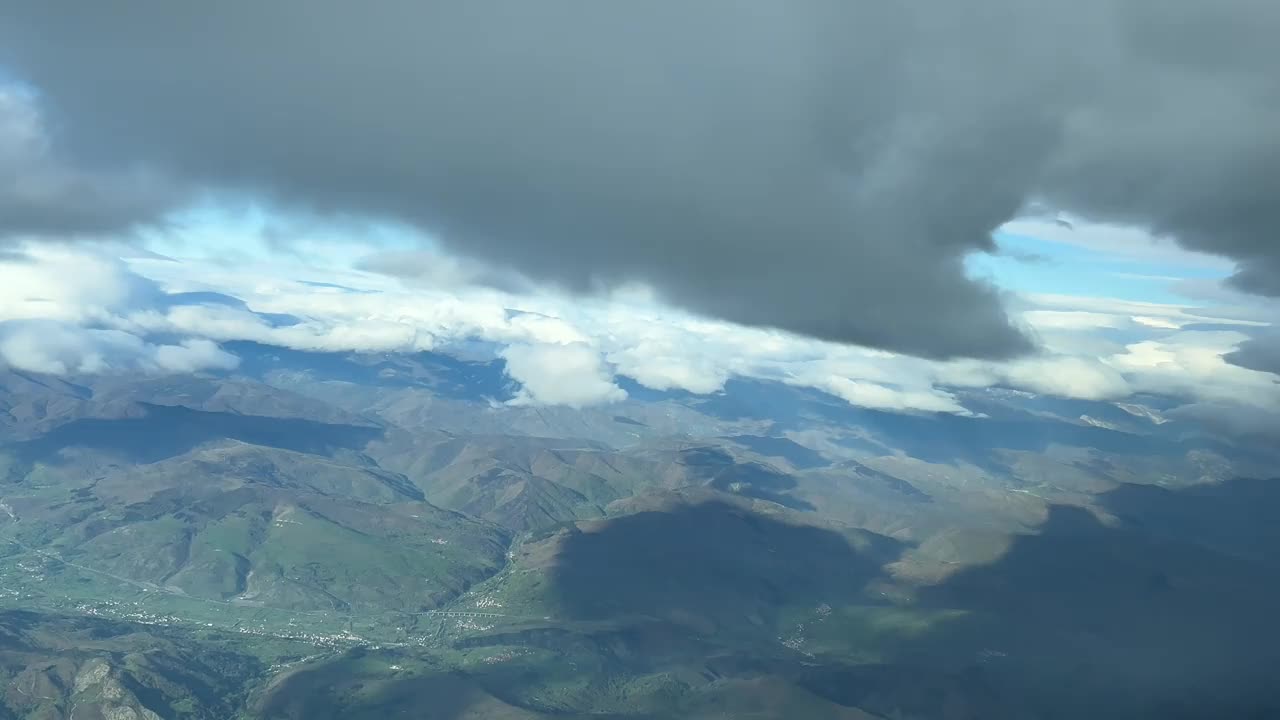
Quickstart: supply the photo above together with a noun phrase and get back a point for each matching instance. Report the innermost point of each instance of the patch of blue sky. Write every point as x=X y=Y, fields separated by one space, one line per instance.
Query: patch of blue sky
x=1031 y=265
x=228 y=231
x=11 y=82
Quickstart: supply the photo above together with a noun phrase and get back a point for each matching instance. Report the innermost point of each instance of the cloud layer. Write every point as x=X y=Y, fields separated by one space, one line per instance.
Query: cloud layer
x=157 y=315
x=822 y=167
x=42 y=193
x=64 y=311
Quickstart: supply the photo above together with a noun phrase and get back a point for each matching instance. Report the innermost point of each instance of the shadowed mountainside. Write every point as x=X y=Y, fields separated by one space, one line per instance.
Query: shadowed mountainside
x=1166 y=611
x=156 y=432
x=712 y=563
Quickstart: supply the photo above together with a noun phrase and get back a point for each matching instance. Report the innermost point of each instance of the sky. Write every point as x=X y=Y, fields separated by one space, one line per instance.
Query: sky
x=888 y=203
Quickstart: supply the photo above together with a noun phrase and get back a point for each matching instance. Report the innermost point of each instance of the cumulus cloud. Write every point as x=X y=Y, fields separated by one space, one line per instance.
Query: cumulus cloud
x=1066 y=376
x=821 y=167
x=64 y=283
x=673 y=351
x=661 y=367
x=572 y=375
x=193 y=355
x=56 y=348
x=63 y=311
x=544 y=328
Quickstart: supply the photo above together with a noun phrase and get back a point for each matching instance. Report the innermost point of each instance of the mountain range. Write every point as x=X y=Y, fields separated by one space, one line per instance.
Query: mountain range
x=351 y=535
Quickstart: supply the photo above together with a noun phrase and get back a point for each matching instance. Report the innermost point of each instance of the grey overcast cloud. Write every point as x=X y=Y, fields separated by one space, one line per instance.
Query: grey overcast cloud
x=819 y=166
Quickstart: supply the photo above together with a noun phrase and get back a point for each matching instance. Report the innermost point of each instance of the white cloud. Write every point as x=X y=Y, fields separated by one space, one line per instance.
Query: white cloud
x=193 y=355
x=1073 y=320
x=1069 y=377
x=668 y=353
x=355 y=311
x=1156 y=322
x=61 y=312
x=882 y=397
x=566 y=351
x=535 y=327
x=1080 y=378
x=56 y=348
x=1191 y=364
x=223 y=323
x=872 y=379
x=661 y=368
x=665 y=349
x=66 y=283
x=572 y=375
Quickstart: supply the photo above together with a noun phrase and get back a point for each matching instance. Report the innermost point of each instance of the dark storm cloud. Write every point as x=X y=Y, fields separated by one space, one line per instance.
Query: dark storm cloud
x=821 y=166
x=41 y=194
x=1260 y=353
x=1184 y=137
